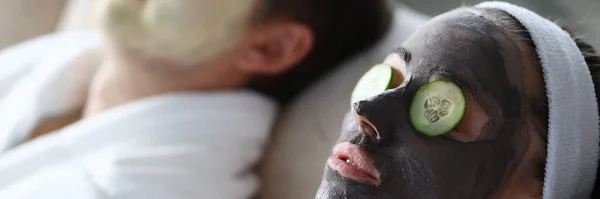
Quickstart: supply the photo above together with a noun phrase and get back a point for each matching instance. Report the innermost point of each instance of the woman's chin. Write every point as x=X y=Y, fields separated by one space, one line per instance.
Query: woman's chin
x=335 y=186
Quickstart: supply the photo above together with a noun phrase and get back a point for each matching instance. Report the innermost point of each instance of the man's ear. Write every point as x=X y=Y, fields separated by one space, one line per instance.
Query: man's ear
x=275 y=48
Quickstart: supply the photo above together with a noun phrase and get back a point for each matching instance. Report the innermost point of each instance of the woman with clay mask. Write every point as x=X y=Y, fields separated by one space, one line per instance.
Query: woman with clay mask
x=490 y=101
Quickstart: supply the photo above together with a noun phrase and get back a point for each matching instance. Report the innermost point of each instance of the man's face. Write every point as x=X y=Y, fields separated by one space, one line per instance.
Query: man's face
x=390 y=159
x=184 y=30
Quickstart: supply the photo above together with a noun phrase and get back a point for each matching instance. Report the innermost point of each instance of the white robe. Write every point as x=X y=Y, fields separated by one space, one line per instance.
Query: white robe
x=180 y=145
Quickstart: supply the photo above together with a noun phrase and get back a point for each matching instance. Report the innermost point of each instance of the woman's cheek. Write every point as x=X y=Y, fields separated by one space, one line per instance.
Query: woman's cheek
x=470 y=127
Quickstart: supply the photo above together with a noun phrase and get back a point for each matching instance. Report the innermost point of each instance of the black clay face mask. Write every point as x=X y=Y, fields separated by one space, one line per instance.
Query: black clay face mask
x=400 y=140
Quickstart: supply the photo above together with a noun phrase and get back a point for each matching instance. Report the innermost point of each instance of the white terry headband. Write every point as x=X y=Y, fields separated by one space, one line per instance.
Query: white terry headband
x=573 y=126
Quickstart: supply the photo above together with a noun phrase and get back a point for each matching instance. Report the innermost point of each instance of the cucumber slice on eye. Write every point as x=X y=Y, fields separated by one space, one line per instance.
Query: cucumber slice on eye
x=373 y=82
x=437 y=108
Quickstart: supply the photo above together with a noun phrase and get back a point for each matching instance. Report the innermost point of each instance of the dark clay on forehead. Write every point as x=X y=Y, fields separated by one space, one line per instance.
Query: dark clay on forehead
x=476 y=49
x=472 y=49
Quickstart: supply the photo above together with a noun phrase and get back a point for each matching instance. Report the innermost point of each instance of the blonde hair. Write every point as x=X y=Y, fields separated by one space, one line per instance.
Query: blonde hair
x=185 y=31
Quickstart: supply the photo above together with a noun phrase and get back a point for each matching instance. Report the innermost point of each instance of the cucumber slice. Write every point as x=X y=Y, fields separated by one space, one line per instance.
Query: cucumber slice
x=373 y=82
x=437 y=108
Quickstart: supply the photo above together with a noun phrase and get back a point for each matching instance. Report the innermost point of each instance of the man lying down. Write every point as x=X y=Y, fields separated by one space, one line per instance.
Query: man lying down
x=490 y=101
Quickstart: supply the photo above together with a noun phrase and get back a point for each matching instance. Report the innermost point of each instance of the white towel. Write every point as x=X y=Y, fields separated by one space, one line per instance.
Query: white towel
x=573 y=126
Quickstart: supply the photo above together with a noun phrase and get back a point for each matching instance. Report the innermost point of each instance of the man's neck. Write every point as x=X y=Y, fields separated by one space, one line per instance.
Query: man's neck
x=120 y=81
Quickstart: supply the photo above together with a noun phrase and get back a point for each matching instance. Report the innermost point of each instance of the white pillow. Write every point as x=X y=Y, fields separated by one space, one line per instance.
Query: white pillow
x=309 y=127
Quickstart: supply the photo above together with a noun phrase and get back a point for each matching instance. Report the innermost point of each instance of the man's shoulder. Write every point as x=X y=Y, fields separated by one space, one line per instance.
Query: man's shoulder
x=30 y=69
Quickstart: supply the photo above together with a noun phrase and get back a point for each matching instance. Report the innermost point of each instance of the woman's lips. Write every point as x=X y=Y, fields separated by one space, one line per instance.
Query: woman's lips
x=350 y=161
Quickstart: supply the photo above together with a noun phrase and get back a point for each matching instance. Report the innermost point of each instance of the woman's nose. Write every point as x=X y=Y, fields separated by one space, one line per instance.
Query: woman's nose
x=365 y=126
x=382 y=115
